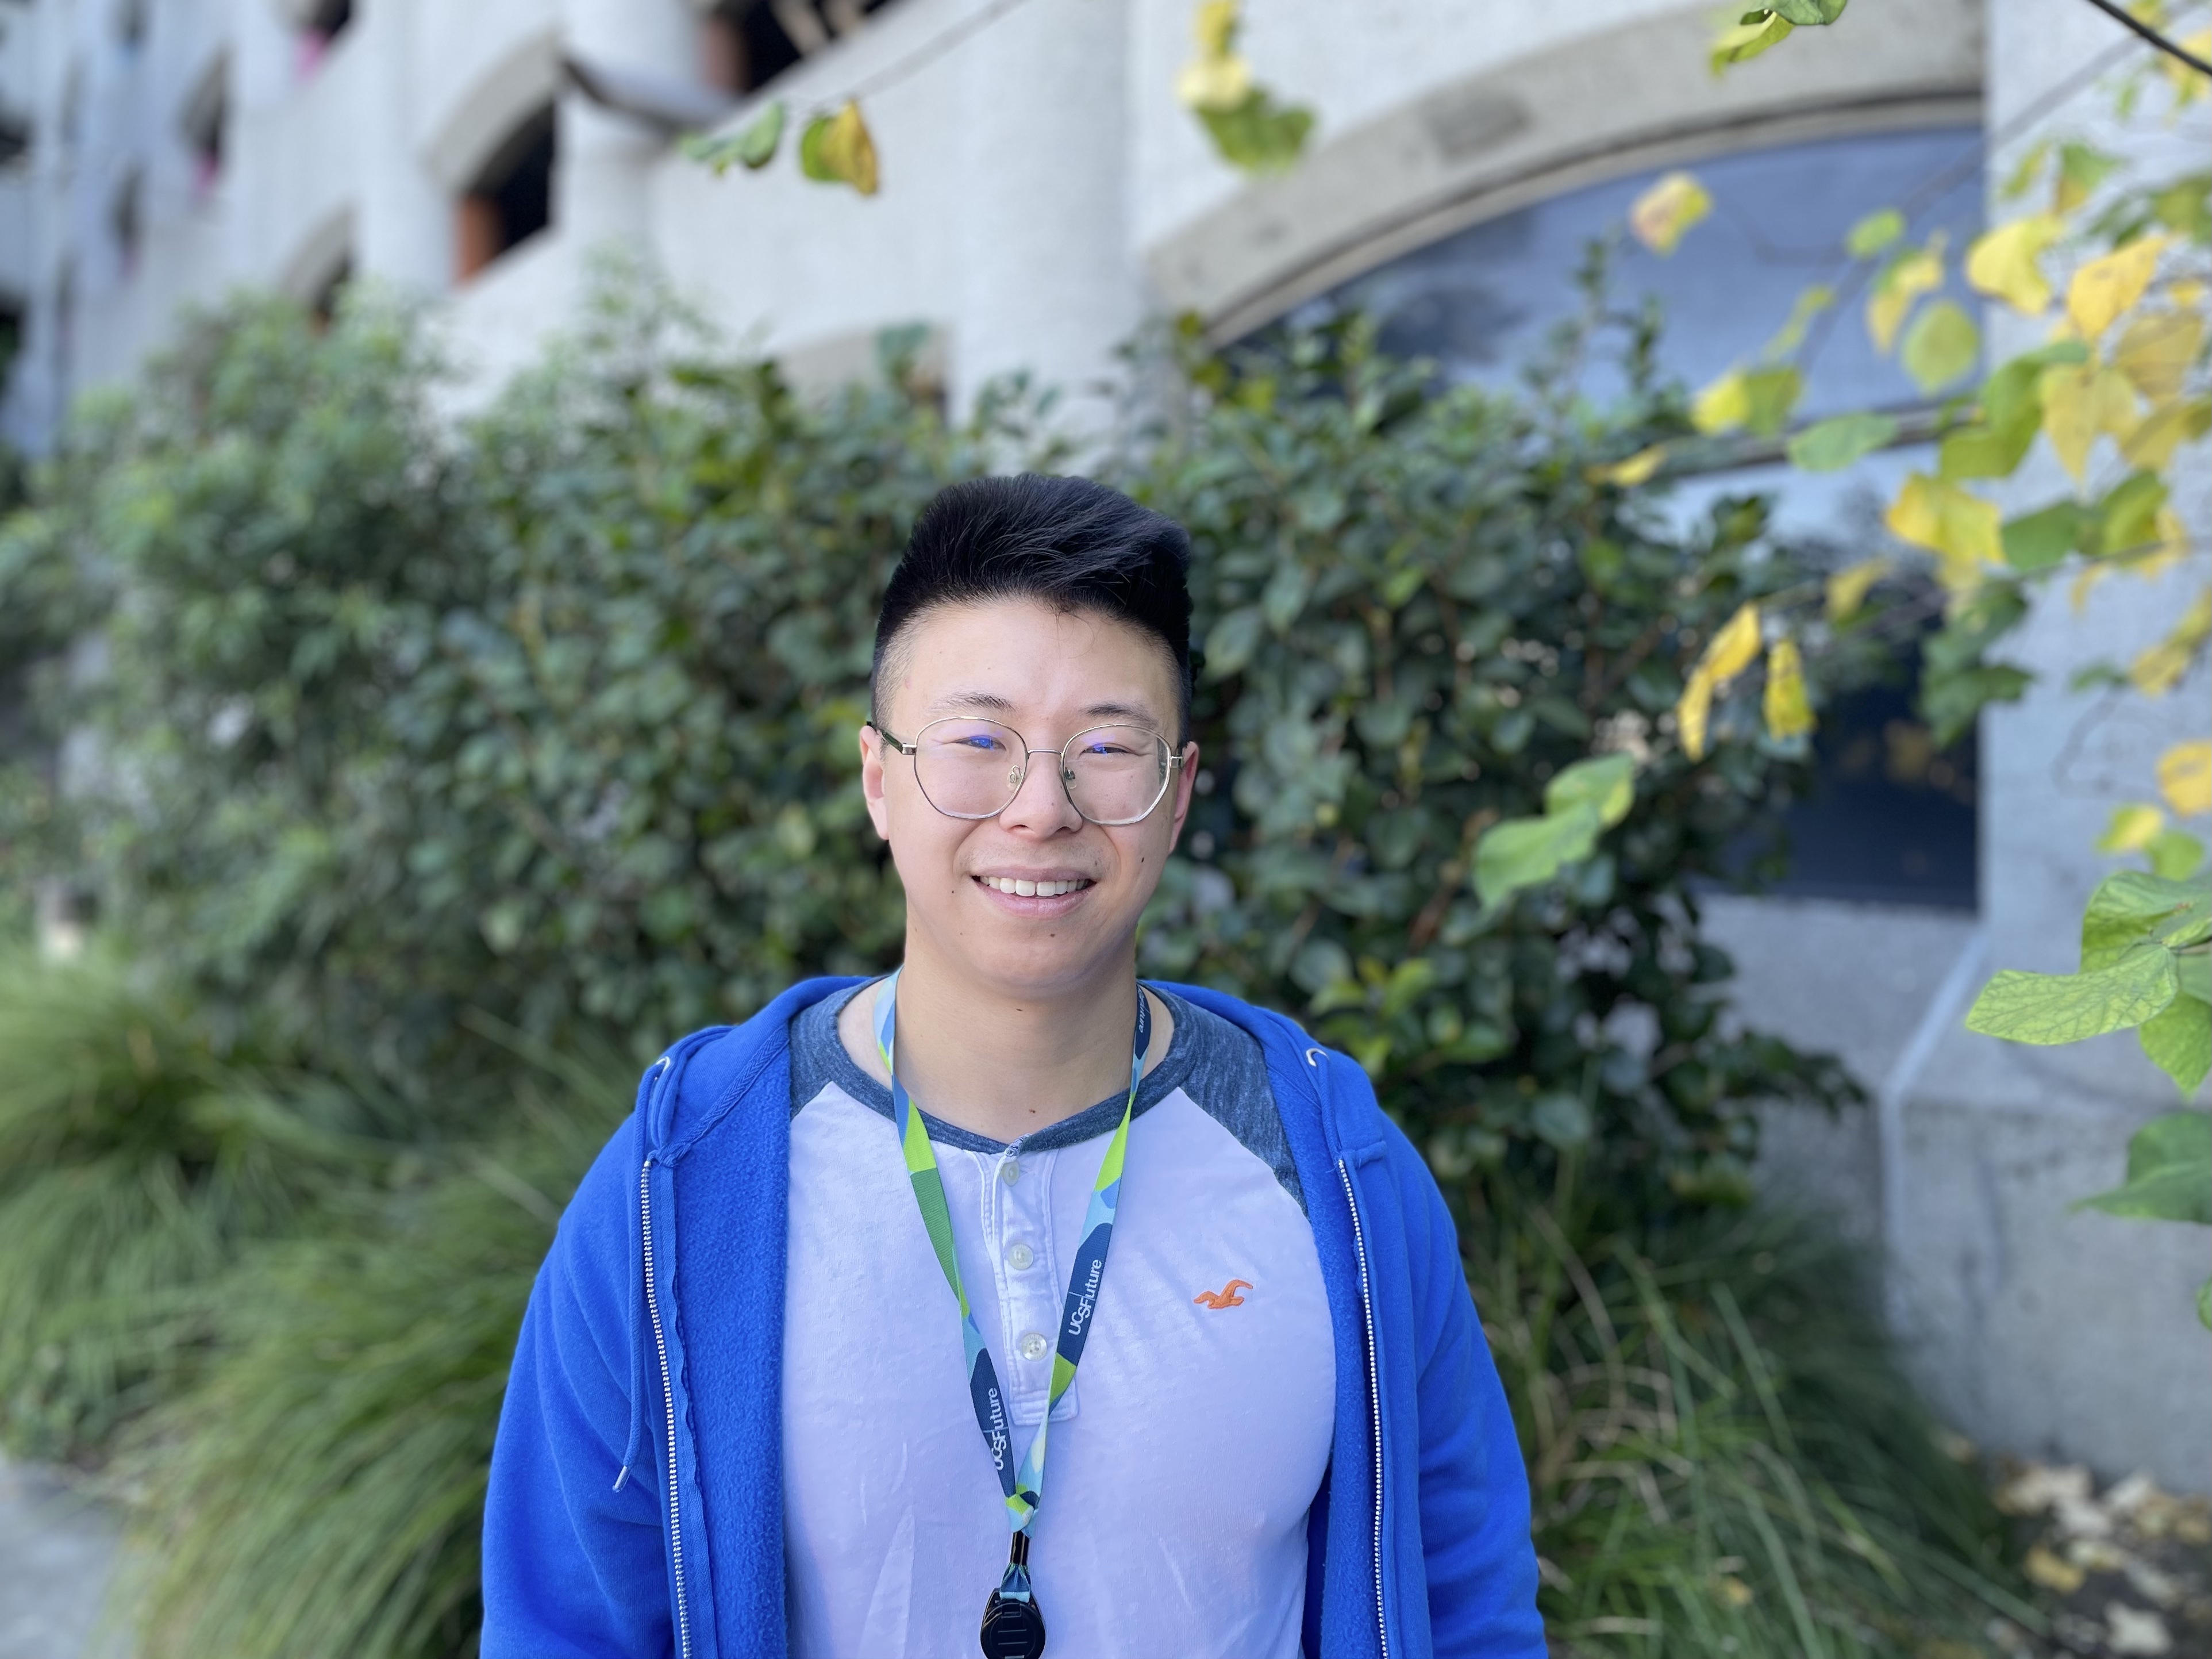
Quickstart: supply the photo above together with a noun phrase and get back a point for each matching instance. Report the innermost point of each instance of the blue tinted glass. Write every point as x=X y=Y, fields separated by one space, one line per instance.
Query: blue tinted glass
x=1889 y=820
x=1481 y=301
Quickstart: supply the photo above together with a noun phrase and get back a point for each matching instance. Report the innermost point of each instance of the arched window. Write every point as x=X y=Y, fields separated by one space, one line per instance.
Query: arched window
x=1893 y=819
x=512 y=199
x=745 y=43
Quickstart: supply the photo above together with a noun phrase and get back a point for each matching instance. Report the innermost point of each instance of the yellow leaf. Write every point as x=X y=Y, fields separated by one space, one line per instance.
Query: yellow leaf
x=2103 y=288
x=1722 y=407
x=1847 y=588
x=1792 y=335
x=1664 y=212
x=1637 y=469
x=2152 y=444
x=2184 y=778
x=1214 y=82
x=837 y=148
x=1788 y=713
x=2080 y=400
x=2131 y=828
x=2156 y=350
x=1216 y=25
x=2054 y=1572
x=1902 y=281
x=1693 y=713
x=1218 y=78
x=2002 y=263
x=1734 y=648
x=1962 y=531
x=2158 y=669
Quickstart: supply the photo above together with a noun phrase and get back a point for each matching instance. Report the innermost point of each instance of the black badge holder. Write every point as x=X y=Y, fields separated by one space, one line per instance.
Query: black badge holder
x=1011 y=1629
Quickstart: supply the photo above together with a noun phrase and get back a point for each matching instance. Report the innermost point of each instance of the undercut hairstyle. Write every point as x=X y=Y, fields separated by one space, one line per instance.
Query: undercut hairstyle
x=1065 y=542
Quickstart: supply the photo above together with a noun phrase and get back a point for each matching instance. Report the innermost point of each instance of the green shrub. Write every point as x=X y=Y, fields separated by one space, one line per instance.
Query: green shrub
x=320 y=1492
x=136 y=1164
x=1723 y=1454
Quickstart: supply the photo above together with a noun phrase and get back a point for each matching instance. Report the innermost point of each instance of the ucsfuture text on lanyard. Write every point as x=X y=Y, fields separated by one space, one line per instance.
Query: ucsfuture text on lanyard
x=1013 y=1625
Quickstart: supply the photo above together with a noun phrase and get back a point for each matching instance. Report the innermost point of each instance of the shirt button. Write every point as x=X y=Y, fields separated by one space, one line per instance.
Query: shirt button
x=1033 y=1345
x=1019 y=1258
x=1010 y=1170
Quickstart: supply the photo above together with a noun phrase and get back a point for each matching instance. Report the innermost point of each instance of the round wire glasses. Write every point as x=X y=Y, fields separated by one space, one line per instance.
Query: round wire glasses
x=970 y=768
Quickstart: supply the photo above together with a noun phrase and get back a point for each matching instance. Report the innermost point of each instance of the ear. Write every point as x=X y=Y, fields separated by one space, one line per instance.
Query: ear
x=1186 y=780
x=871 y=780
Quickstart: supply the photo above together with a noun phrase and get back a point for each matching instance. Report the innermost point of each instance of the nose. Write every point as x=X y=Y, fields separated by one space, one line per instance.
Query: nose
x=1040 y=805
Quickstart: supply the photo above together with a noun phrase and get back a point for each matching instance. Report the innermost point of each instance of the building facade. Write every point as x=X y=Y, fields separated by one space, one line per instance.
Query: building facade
x=1044 y=196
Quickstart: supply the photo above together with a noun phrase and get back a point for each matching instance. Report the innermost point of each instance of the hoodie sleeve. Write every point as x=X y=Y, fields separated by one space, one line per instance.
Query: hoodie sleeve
x=1480 y=1559
x=574 y=1568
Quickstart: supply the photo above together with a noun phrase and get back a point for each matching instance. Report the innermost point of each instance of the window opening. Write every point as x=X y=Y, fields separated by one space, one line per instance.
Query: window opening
x=15 y=138
x=206 y=122
x=513 y=199
x=126 y=222
x=131 y=23
x=1891 y=818
x=745 y=43
x=325 y=21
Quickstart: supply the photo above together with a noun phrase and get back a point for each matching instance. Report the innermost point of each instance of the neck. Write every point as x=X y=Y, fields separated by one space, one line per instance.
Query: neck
x=1007 y=1061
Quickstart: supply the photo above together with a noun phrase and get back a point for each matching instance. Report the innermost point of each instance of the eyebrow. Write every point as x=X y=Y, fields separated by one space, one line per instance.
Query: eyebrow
x=988 y=702
x=991 y=703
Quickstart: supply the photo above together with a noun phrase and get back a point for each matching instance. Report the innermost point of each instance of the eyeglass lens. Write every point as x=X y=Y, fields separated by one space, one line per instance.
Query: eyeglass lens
x=974 y=769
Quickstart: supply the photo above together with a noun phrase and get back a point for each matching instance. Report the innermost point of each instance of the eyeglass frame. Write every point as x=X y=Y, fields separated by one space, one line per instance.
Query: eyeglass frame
x=913 y=752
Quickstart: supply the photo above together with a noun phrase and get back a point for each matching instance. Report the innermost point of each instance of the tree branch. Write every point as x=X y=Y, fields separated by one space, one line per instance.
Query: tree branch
x=2172 y=49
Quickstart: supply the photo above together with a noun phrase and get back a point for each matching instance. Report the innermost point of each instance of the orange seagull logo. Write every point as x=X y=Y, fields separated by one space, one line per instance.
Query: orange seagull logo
x=1226 y=1297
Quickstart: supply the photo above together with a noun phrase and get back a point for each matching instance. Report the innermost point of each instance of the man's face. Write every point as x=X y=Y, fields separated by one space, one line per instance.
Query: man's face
x=1048 y=676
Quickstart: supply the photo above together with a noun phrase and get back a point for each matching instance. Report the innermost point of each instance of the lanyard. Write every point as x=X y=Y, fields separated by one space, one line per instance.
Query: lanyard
x=1023 y=1489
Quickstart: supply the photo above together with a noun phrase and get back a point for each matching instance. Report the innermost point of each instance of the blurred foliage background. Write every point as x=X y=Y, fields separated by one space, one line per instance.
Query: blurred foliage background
x=429 y=772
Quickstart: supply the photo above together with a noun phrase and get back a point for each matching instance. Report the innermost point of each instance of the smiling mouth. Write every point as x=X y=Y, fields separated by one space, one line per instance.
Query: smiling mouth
x=1016 y=888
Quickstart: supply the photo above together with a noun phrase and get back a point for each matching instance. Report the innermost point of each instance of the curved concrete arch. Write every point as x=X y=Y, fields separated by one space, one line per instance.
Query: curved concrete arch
x=1552 y=121
x=519 y=84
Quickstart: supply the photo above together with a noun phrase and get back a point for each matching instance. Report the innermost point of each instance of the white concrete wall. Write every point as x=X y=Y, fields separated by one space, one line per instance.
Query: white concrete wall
x=1042 y=194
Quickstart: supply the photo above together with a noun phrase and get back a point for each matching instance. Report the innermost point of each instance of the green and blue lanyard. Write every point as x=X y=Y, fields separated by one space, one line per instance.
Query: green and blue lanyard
x=1023 y=1487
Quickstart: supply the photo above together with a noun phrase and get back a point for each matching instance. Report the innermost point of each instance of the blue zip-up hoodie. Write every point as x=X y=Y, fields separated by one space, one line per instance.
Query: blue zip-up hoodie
x=636 y=1501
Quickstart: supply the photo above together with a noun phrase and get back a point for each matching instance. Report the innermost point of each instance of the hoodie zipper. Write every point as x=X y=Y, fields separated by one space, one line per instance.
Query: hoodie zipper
x=1373 y=1399
x=660 y=1347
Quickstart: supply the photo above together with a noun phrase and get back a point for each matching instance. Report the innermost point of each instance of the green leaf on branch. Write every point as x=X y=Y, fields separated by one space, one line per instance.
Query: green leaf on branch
x=1231 y=641
x=2174 y=854
x=2128 y=515
x=1831 y=445
x=2180 y=1043
x=1583 y=800
x=1258 y=135
x=1941 y=346
x=2037 y=541
x=1526 y=852
x=1754 y=33
x=2082 y=168
x=2169 y=1173
x=1874 y=233
x=2131 y=907
x=1982 y=452
x=2047 y=1009
x=753 y=146
x=1810 y=14
x=1606 y=785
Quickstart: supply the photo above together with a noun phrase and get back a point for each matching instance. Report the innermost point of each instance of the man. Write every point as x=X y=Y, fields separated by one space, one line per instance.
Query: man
x=786 y=1379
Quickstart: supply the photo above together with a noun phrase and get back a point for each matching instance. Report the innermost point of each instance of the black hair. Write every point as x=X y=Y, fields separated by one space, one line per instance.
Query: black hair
x=1068 y=542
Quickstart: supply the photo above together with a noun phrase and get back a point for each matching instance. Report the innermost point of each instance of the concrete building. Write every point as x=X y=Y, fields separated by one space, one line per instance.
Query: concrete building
x=1043 y=194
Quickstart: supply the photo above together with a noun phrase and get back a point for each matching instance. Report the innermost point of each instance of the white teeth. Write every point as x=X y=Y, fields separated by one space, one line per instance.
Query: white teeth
x=1027 y=889
x=1031 y=889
